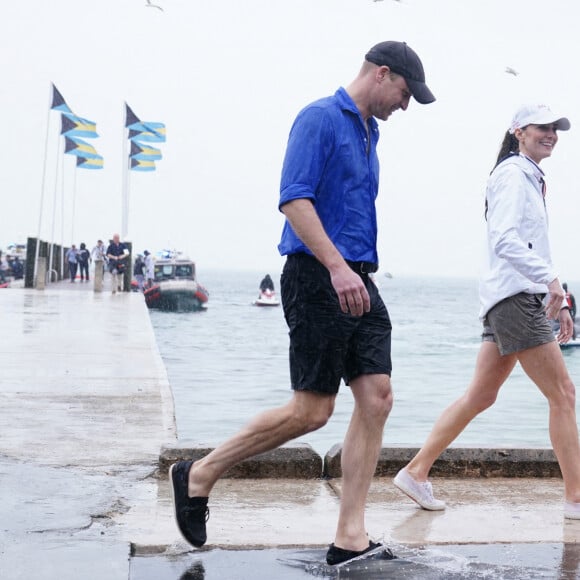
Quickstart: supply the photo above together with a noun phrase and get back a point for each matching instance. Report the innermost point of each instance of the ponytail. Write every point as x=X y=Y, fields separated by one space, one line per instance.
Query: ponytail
x=509 y=146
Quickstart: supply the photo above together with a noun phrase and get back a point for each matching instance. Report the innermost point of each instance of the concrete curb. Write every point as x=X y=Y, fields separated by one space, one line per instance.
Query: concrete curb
x=300 y=461
x=462 y=462
x=292 y=461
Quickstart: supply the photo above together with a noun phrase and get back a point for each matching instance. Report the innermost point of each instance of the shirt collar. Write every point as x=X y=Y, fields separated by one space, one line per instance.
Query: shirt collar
x=537 y=170
x=347 y=104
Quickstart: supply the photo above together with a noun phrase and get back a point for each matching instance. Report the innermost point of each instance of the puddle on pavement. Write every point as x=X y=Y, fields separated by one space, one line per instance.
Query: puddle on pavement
x=457 y=562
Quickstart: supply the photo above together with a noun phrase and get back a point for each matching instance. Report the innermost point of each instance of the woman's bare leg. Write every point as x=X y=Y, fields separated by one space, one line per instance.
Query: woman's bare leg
x=545 y=366
x=491 y=371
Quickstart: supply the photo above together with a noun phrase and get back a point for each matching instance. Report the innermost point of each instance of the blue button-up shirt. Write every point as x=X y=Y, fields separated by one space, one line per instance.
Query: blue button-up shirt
x=330 y=160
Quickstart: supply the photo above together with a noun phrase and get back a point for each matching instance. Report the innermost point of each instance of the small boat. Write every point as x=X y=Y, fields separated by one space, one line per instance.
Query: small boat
x=175 y=287
x=572 y=343
x=267 y=298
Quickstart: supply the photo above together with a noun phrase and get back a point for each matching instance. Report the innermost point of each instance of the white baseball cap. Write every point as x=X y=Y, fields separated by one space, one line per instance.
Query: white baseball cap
x=537 y=115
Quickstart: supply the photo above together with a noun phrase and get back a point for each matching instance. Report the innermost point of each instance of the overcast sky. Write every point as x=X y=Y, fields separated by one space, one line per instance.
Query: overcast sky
x=227 y=77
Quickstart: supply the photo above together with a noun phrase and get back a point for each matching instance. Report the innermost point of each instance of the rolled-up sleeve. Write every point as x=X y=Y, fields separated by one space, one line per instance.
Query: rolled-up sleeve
x=309 y=146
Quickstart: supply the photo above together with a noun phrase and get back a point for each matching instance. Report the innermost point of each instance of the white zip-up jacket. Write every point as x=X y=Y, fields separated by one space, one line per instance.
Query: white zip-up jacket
x=517 y=234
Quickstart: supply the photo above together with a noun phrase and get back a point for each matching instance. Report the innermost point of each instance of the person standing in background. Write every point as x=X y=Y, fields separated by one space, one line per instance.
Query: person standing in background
x=17 y=268
x=72 y=261
x=138 y=271
x=117 y=254
x=99 y=255
x=571 y=301
x=84 y=258
x=3 y=268
x=149 y=268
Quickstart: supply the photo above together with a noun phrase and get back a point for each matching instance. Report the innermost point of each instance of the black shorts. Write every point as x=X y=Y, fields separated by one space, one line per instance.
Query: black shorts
x=327 y=345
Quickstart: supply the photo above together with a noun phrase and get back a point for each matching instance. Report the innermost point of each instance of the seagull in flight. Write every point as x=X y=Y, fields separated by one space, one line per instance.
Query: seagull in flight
x=511 y=71
x=150 y=5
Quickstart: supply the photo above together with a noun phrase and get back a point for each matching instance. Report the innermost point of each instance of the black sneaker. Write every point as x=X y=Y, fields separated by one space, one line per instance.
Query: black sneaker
x=336 y=556
x=191 y=513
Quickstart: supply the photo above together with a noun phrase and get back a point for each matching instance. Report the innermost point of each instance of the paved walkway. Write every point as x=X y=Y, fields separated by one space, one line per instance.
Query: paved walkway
x=85 y=407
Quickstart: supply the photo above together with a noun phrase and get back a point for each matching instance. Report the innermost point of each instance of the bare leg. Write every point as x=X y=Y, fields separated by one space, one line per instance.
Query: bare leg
x=491 y=371
x=545 y=366
x=304 y=413
x=360 y=452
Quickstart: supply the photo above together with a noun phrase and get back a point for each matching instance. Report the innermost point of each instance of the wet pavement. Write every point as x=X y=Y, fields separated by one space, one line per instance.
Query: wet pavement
x=449 y=562
x=85 y=408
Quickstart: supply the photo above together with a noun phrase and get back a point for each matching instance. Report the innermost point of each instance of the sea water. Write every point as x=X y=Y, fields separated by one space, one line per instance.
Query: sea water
x=230 y=362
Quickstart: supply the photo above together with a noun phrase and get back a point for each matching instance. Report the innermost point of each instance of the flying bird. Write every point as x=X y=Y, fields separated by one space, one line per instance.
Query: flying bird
x=150 y=5
x=511 y=71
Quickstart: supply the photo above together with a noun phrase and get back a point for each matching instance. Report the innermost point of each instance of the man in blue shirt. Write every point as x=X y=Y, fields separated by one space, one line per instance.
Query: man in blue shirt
x=339 y=326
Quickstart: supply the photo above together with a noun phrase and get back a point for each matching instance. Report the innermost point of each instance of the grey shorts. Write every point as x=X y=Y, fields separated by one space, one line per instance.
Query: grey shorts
x=517 y=323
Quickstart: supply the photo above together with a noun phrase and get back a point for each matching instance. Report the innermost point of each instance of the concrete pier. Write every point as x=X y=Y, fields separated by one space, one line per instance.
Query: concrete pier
x=88 y=430
x=85 y=405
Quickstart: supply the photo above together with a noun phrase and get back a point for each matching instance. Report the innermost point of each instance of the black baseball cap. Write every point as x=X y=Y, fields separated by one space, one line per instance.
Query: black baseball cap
x=402 y=60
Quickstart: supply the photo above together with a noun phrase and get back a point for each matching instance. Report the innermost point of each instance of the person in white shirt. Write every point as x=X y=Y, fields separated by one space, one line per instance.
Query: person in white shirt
x=516 y=326
x=99 y=255
x=149 y=268
x=3 y=268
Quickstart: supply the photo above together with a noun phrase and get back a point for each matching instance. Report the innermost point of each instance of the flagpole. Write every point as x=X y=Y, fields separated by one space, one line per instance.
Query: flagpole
x=125 y=193
x=42 y=187
x=59 y=164
x=74 y=202
x=62 y=220
x=128 y=189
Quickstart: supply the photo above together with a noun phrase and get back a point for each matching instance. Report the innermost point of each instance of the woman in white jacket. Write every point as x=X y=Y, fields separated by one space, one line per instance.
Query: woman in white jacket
x=516 y=325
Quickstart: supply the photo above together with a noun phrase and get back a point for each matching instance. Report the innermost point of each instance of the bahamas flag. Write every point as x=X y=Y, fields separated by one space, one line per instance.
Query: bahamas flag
x=152 y=132
x=73 y=126
x=144 y=152
x=142 y=165
x=93 y=163
x=148 y=132
x=58 y=102
x=80 y=148
x=130 y=117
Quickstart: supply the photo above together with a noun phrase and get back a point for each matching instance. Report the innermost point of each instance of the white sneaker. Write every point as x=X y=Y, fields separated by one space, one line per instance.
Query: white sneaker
x=422 y=493
x=572 y=510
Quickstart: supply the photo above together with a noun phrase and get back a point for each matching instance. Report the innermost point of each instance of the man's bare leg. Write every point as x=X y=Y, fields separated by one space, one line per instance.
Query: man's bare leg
x=304 y=413
x=360 y=453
